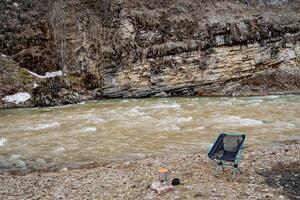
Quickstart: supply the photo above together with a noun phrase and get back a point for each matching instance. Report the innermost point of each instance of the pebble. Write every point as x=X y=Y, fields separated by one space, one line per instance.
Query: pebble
x=64 y=169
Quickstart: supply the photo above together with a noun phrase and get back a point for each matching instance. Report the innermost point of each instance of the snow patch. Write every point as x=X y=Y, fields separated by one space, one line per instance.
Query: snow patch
x=35 y=74
x=3 y=141
x=35 y=85
x=17 y=98
x=48 y=74
x=3 y=55
x=53 y=74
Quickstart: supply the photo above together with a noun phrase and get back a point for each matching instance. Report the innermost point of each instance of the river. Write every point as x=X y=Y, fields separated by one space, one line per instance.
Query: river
x=119 y=129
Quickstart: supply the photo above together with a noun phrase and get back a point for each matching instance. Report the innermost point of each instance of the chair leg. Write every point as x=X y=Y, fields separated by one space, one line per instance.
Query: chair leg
x=218 y=168
x=235 y=170
x=216 y=171
x=239 y=170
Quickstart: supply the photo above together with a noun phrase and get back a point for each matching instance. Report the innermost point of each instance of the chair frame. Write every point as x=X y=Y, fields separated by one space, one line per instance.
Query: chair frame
x=234 y=165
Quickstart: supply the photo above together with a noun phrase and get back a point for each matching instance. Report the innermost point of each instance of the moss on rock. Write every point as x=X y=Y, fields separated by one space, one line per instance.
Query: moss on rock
x=13 y=78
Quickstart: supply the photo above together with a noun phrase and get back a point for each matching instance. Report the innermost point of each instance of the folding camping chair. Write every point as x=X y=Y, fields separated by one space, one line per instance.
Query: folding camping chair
x=227 y=152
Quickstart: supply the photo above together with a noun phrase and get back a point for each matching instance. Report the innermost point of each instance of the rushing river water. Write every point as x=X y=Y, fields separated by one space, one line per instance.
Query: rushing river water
x=108 y=130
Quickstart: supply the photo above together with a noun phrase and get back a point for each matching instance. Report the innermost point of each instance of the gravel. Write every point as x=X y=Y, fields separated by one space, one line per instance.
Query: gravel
x=131 y=179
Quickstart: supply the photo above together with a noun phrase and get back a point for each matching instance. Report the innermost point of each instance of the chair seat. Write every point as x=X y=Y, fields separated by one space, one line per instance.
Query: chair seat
x=228 y=156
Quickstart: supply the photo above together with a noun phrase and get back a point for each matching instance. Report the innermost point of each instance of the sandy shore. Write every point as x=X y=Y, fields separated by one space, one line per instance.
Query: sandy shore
x=268 y=173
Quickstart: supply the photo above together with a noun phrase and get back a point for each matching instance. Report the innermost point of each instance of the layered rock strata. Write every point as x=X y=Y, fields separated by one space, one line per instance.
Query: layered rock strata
x=134 y=48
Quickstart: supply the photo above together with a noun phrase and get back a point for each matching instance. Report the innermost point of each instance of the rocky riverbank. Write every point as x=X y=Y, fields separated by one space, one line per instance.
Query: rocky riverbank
x=268 y=173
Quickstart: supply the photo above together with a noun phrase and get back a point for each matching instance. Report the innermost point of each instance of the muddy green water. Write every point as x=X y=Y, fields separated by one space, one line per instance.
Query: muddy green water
x=109 y=130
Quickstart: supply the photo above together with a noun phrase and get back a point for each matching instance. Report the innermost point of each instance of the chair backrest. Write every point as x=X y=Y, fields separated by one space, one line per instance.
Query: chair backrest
x=232 y=143
x=226 y=142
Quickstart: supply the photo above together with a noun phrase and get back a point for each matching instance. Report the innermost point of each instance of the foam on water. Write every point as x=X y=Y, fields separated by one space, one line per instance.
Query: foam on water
x=256 y=101
x=183 y=119
x=172 y=123
x=253 y=104
x=96 y=120
x=88 y=129
x=237 y=101
x=219 y=103
x=138 y=155
x=284 y=125
x=226 y=103
x=3 y=142
x=89 y=117
x=237 y=121
x=200 y=128
x=59 y=150
x=135 y=111
x=44 y=126
x=166 y=106
x=14 y=157
x=272 y=97
x=168 y=127
x=195 y=129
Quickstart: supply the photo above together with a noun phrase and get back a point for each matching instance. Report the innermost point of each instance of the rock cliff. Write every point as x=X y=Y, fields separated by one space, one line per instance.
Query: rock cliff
x=138 y=48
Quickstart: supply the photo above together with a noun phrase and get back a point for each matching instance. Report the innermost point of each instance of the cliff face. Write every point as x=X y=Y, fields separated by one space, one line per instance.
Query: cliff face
x=138 y=48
